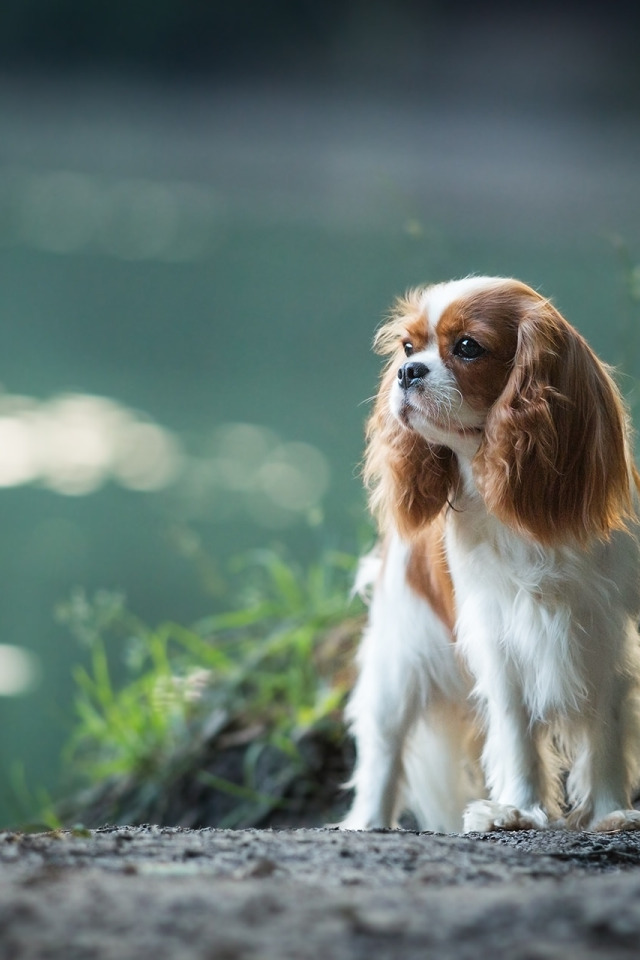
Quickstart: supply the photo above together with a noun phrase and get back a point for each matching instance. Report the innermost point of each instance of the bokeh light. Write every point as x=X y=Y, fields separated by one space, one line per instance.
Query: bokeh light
x=247 y=470
x=19 y=670
x=66 y=212
x=295 y=476
x=74 y=443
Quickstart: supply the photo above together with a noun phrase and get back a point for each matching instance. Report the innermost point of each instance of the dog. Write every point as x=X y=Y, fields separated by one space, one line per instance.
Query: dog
x=499 y=674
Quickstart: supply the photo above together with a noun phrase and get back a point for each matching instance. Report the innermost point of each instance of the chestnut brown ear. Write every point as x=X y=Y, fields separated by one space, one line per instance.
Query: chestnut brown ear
x=554 y=462
x=410 y=480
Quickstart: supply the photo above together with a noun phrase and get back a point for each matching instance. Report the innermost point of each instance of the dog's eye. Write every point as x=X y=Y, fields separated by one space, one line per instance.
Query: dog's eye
x=468 y=349
x=408 y=348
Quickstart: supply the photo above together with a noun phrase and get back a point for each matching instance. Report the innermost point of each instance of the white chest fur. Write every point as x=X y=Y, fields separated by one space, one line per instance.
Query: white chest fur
x=545 y=620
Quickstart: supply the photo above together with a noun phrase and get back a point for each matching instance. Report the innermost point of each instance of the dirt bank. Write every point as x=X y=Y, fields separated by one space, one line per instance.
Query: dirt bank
x=159 y=893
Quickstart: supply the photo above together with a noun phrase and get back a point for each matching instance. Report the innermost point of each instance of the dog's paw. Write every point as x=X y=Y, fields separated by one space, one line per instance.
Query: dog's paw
x=484 y=816
x=357 y=821
x=618 y=820
x=349 y=824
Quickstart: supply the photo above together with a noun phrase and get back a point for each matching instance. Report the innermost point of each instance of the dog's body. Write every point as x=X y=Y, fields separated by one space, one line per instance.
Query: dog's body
x=502 y=646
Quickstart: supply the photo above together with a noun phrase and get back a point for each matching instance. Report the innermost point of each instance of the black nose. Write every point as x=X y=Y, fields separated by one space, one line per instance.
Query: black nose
x=411 y=372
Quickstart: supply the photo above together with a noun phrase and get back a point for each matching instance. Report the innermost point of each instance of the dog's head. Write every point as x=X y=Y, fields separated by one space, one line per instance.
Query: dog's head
x=487 y=372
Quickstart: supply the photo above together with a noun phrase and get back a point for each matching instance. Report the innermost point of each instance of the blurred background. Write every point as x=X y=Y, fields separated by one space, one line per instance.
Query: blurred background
x=205 y=211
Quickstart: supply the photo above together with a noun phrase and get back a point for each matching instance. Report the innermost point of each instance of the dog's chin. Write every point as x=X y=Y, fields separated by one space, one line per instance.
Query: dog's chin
x=431 y=427
x=406 y=414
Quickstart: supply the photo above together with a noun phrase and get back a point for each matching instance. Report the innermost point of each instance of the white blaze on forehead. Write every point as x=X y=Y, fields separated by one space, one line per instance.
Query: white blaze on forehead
x=436 y=299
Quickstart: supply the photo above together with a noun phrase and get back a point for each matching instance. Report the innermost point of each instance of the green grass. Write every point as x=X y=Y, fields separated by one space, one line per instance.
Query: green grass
x=268 y=673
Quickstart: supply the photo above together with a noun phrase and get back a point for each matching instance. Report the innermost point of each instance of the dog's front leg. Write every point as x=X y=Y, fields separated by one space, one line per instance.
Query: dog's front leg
x=406 y=662
x=605 y=772
x=381 y=710
x=512 y=766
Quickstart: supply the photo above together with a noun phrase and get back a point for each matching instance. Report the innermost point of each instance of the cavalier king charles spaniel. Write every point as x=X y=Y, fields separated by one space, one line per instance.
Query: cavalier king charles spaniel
x=499 y=674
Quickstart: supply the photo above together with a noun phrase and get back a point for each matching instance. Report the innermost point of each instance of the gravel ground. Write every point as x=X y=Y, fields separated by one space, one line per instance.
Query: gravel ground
x=122 y=892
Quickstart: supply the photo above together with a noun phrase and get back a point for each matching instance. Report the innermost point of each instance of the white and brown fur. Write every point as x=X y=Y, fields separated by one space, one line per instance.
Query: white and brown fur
x=499 y=672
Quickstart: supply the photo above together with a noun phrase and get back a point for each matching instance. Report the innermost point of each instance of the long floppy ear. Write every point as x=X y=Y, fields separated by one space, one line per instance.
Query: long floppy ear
x=554 y=462
x=409 y=479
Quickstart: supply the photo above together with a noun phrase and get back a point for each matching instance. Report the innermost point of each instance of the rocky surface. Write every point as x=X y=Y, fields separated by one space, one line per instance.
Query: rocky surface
x=195 y=894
